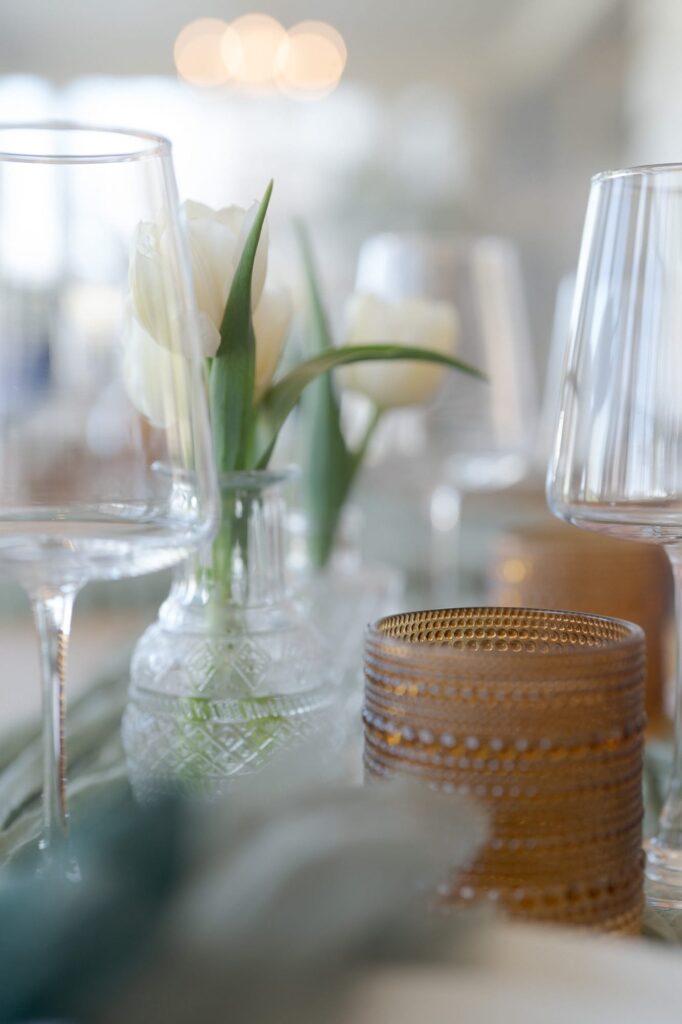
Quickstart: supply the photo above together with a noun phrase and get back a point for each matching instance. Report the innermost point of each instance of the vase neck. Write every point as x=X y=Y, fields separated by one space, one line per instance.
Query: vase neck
x=245 y=566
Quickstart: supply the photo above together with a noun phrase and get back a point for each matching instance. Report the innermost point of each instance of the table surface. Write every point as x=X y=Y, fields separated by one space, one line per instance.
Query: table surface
x=96 y=633
x=108 y=617
x=527 y=976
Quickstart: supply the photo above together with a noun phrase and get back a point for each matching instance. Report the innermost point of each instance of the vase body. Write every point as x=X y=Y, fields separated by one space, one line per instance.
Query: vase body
x=232 y=671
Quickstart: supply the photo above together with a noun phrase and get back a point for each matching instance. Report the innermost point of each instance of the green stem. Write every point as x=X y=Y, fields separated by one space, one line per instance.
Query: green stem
x=233 y=535
x=221 y=562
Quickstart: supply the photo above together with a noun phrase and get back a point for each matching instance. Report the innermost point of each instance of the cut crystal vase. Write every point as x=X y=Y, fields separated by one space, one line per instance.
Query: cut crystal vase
x=232 y=671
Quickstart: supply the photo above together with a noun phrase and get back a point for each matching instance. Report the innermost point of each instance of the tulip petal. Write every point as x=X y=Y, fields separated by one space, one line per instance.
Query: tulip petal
x=271 y=322
x=213 y=252
x=150 y=375
x=193 y=210
x=232 y=217
x=147 y=280
x=209 y=336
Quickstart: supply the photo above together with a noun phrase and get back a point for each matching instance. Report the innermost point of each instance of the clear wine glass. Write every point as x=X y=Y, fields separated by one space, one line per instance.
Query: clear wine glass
x=89 y=487
x=617 y=462
x=477 y=435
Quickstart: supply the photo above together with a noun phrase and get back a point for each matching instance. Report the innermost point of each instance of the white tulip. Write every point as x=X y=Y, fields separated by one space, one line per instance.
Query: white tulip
x=152 y=289
x=215 y=241
x=151 y=374
x=418 y=322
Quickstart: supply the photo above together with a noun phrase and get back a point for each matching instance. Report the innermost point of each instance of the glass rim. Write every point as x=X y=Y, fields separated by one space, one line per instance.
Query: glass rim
x=238 y=479
x=149 y=144
x=257 y=479
x=632 y=637
x=637 y=171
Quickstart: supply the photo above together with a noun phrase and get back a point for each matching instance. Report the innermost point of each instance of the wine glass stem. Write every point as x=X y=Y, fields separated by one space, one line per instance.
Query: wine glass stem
x=52 y=610
x=670 y=825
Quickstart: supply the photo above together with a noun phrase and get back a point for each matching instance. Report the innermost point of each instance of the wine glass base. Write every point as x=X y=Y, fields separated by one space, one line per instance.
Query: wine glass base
x=663 y=875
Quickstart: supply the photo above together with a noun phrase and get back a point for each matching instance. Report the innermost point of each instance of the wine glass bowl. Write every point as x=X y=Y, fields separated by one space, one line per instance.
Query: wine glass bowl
x=97 y=481
x=617 y=461
x=482 y=429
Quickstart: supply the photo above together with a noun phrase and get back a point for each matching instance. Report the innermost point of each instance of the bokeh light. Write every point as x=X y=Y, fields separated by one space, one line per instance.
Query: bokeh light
x=256 y=52
x=310 y=60
x=250 y=48
x=198 y=52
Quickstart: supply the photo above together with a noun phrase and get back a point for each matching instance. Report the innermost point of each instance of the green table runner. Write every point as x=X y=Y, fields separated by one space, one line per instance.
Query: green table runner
x=95 y=757
x=96 y=761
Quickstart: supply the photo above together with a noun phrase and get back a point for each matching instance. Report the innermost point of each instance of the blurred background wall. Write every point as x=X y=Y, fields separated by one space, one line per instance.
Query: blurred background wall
x=486 y=115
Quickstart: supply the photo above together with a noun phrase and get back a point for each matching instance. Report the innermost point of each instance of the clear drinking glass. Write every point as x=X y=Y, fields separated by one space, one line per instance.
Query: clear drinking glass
x=617 y=462
x=477 y=435
x=89 y=487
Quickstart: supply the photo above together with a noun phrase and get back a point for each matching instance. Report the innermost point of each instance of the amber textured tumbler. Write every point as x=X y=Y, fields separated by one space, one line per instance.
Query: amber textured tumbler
x=538 y=715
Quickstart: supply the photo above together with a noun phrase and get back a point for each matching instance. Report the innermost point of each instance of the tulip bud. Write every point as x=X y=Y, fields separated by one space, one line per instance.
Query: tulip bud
x=215 y=240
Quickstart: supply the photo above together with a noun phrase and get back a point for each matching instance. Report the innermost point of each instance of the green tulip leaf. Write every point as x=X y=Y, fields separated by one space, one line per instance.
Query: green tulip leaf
x=328 y=463
x=281 y=398
x=233 y=369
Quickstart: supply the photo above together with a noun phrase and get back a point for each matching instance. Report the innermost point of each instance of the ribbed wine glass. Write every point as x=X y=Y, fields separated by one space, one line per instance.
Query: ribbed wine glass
x=89 y=488
x=617 y=463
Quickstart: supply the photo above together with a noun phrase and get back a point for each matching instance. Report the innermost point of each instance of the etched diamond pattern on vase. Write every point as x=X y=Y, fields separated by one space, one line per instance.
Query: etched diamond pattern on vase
x=232 y=672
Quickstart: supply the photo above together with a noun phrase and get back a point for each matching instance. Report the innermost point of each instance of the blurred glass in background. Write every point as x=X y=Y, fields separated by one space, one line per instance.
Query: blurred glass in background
x=484 y=115
x=477 y=435
x=481 y=117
